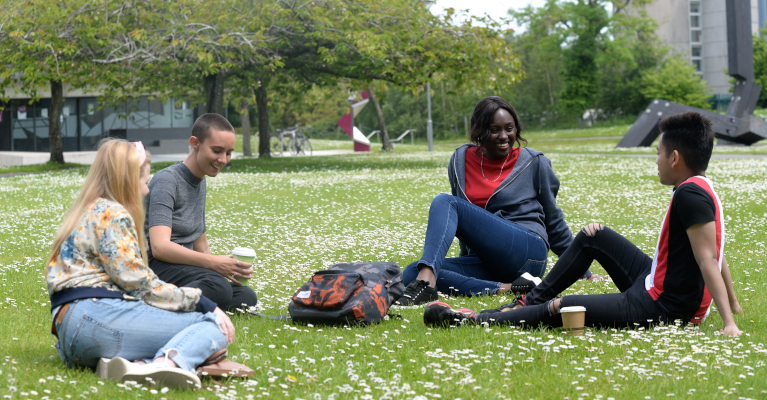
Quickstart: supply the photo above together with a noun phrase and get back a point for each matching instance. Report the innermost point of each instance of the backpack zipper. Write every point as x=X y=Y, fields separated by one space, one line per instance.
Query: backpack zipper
x=393 y=278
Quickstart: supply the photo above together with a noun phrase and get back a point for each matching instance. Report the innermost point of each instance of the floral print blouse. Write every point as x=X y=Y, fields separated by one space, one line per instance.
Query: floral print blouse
x=103 y=252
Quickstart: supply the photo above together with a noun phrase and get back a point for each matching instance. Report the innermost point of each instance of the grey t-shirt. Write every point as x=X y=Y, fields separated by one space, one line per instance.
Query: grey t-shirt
x=176 y=199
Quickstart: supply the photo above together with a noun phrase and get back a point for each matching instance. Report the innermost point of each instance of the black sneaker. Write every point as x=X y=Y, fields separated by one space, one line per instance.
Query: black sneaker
x=519 y=302
x=417 y=293
x=439 y=313
x=524 y=284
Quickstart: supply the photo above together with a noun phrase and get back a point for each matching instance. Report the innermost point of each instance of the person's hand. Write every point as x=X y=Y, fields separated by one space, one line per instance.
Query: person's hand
x=231 y=268
x=226 y=324
x=736 y=309
x=731 y=330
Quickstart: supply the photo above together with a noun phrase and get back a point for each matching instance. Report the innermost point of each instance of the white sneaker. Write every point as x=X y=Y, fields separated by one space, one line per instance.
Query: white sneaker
x=113 y=369
x=535 y=279
x=163 y=376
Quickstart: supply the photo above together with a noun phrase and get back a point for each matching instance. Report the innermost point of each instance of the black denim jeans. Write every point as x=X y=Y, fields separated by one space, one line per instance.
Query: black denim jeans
x=214 y=286
x=626 y=264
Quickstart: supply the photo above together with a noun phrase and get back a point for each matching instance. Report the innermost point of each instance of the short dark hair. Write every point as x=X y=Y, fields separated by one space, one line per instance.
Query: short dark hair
x=202 y=127
x=692 y=135
x=482 y=117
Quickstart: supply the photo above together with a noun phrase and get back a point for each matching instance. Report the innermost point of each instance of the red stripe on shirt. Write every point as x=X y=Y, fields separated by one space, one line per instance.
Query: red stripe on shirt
x=662 y=260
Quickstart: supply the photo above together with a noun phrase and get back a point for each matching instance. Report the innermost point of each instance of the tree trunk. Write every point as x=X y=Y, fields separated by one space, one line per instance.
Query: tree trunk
x=386 y=142
x=245 y=118
x=466 y=127
x=214 y=93
x=444 y=111
x=263 y=119
x=548 y=82
x=54 y=122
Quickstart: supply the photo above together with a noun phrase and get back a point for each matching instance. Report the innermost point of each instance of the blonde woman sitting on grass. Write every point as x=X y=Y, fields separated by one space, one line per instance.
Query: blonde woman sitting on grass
x=108 y=307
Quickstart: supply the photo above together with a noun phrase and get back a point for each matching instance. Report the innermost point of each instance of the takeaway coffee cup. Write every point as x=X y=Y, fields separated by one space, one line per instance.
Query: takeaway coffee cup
x=573 y=319
x=244 y=254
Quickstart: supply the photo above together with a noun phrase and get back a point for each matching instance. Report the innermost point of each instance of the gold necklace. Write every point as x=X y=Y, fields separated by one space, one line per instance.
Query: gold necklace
x=481 y=168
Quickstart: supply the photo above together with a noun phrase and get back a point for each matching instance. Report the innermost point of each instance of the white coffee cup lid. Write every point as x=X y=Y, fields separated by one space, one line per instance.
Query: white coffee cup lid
x=572 y=309
x=244 y=251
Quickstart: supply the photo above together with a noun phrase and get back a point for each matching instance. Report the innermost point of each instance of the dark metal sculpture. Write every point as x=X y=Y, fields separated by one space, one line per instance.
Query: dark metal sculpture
x=739 y=125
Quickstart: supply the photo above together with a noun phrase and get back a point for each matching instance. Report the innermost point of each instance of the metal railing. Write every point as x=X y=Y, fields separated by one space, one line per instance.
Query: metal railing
x=410 y=132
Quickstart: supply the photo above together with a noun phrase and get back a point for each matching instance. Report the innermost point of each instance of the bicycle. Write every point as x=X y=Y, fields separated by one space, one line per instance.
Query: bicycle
x=289 y=140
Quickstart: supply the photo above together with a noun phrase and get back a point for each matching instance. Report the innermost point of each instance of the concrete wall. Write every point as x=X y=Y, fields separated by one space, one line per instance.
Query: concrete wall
x=672 y=29
x=714 y=23
x=673 y=18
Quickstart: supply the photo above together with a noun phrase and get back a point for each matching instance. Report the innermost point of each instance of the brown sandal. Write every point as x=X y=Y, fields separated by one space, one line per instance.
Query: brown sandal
x=217 y=366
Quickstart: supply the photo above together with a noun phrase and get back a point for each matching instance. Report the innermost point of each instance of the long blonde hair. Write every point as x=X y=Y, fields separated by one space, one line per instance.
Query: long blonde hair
x=114 y=176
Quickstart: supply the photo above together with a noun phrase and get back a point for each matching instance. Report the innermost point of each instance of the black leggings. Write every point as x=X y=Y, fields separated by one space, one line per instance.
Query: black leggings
x=627 y=265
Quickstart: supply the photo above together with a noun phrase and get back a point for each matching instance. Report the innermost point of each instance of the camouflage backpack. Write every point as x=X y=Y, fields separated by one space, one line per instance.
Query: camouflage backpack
x=346 y=293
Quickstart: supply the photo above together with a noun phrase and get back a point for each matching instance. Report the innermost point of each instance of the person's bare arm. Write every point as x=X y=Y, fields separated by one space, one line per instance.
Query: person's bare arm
x=703 y=241
x=734 y=306
x=201 y=244
x=165 y=250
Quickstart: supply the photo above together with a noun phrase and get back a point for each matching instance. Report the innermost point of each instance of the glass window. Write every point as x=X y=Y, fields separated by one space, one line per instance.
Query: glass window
x=695 y=36
x=698 y=65
x=114 y=118
x=695 y=7
x=69 y=124
x=138 y=113
x=159 y=113
x=696 y=51
x=183 y=114
x=91 y=123
x=23 y=129
x=40 y=115
x=694 y=21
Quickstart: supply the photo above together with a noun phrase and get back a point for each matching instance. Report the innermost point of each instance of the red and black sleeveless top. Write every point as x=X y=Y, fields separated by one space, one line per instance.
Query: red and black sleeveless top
x=675 y=281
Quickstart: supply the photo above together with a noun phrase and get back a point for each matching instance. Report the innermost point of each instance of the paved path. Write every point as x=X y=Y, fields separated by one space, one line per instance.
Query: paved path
x=11 y=175
x=315 y=153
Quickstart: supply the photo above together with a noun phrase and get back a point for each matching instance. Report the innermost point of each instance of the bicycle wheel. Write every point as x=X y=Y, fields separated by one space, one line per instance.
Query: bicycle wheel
x=290 y=146
x=275 y=146
x=306 y=147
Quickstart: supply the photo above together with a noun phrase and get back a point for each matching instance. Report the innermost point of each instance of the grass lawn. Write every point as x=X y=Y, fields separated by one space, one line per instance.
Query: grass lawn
x=49 y=166
x=595 y=140
x=304 y=214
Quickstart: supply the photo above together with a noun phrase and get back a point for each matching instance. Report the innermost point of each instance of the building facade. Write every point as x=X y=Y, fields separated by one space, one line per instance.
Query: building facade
x=697 y=31
x=24 y=125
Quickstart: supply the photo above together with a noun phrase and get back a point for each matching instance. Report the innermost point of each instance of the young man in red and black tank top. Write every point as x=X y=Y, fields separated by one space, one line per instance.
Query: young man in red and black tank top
x=688 y=271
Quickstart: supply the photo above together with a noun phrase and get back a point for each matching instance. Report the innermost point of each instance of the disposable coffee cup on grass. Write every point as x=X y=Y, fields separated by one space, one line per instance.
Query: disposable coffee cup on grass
x=573 y=319
x=244 y=254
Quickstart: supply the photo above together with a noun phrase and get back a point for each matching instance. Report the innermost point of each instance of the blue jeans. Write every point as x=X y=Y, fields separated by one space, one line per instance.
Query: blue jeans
x=96 y=328
x=501 y=251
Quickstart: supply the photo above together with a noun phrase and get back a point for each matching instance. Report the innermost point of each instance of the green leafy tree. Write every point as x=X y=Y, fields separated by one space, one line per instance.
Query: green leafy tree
x=48 y=46
x=676 y=81
x=633 y=48
x=585 y=54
